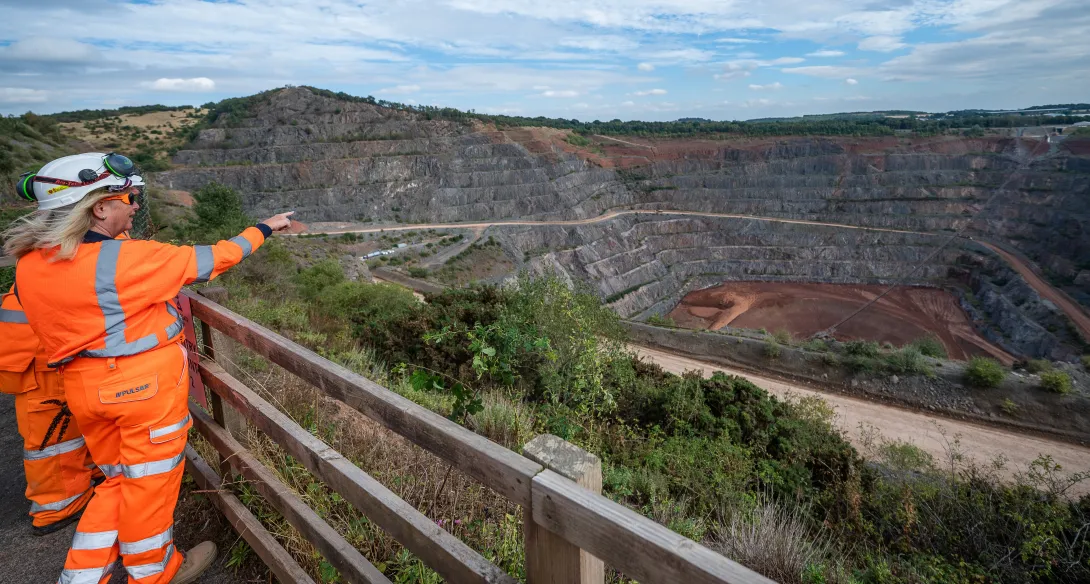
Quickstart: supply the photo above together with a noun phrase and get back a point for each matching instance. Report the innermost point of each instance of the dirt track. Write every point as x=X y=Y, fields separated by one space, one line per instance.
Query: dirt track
x=803 y=309
x=981 y=443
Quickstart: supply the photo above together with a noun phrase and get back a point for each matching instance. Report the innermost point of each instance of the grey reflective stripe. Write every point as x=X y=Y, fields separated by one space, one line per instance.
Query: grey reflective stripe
x=149 y=543
x=245 y=244
x=144 y=570
x=160 y=432
x=51 y=451
x=36 y=508
x=87 y=576
x=147 y=469
x=206 y=261
x=110 y=470
x=176 y=326
x=98 y=540
x=110 y=305
x=13 y=316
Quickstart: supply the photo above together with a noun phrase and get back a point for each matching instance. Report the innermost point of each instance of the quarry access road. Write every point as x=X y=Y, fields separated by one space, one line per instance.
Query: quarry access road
x=983 y=444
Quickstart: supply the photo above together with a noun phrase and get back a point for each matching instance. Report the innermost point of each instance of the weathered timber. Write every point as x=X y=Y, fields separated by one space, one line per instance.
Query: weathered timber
x=449 y=556
x=501 y=470
x=283 y=566
x=351 y=564
x=550 y=559
x=628 y=541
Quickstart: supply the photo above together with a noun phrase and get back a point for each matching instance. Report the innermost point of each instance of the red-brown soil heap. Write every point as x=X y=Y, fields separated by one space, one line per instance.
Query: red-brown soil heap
x=902 y=316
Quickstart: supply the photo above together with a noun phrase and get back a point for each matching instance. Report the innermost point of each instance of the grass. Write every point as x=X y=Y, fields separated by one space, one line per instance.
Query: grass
x=772 y=349
x=930 y=346
x=984 y=373
x=1038 y=365
x=1009 y=407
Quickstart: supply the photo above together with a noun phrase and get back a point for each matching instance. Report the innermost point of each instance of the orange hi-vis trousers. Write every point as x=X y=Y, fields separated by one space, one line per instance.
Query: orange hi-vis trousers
x=55 y=459
x=135 y=419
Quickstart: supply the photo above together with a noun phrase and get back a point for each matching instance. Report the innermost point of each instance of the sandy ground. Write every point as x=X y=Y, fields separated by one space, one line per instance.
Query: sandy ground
x=980 y=443
x=902 y=316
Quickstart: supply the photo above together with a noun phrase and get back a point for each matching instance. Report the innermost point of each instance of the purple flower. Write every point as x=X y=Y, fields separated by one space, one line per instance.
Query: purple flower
x=457 y=521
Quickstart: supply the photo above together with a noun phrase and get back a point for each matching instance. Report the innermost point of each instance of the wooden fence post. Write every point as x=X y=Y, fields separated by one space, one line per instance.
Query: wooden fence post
x=550 y=559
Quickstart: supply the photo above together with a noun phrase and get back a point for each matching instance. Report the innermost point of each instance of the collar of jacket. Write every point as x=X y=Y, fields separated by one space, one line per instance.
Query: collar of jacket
x=95 y=237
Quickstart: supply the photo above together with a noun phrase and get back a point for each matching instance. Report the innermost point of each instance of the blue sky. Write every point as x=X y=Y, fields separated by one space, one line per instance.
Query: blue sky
x=585 y=59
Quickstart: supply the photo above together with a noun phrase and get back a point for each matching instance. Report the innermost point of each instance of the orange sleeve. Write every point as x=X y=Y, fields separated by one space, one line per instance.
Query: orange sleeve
x=160 y=270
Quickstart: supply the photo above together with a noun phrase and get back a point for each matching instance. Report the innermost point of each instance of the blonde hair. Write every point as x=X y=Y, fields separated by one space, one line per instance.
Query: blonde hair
x=62 y=228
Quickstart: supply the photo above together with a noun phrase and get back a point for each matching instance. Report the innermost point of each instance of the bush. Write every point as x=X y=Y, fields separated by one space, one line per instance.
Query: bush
x=659 y=320
x=418 y=272
x=1038 y=366
x=783 y=337
x=907 y=360
x=313 y=280
x=772 y=349
x=930 y=346
x=1009 y=407
x=1056 y=382
x=984 y=372
x=1086 y=362
x=862 y=348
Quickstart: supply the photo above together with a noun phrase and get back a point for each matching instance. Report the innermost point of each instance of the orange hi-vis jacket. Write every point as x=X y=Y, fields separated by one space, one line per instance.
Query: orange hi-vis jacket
x=57 y=467
x=115 y=296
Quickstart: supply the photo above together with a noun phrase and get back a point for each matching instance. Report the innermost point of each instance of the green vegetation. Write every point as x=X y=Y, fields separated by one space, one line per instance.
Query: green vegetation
x=219 y=216
x=1038 y=365
x=88 y=115
x=772 y=349
x=660 y=320
x=1056 y=382
x=984 y=373
x=930 y=346
x=418 y=272
x=1086 y=362
x=577 y=140
x=1009 y=407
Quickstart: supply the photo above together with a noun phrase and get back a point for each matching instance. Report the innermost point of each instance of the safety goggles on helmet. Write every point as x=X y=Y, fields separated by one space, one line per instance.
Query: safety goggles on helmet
x=114 y=164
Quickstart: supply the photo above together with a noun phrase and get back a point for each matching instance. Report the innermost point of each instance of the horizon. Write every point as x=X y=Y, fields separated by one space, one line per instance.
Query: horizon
x=647 y=60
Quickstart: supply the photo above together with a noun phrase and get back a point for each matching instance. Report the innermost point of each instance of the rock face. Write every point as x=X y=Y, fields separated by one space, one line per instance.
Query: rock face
x=333 y=160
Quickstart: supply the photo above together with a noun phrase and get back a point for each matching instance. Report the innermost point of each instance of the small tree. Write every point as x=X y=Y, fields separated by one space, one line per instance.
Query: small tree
x=984 y=372
x=219 y=215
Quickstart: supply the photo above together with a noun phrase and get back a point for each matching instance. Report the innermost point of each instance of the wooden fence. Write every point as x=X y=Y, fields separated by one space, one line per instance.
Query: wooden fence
x=571 y=530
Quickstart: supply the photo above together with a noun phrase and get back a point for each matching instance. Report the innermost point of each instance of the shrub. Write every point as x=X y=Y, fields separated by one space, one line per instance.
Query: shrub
x=1009 y=407
x=659 y=320
x=1056 y=382
x=783 y=337
x=816 y=345
x=772 y=349
x=906 y=360
x=862 y=348
x=312 y=281
x=1038 y=366
x=418 y=272
x=1086 y=362
x=930 y=346
x=776 y=542
x=984 y=372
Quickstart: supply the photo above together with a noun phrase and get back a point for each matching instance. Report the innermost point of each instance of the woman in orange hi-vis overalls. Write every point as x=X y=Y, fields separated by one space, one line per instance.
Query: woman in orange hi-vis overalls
x=103 y=308
x=59 y=472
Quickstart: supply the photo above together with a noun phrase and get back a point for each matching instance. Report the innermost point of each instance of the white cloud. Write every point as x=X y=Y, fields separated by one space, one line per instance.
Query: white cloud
x=651 y=92
x=770 y=86
x=826 y=53
x=16 y=95
x=50 y=50
x=628 y=103
x=561 y=93
x=194 y=84
x=645 y=67
x=881 y=43
x=824 y=71
x=400 y=89
x=786 y=61
x=851 y=81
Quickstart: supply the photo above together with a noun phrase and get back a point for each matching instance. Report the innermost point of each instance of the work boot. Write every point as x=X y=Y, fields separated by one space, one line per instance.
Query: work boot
x=195 y=562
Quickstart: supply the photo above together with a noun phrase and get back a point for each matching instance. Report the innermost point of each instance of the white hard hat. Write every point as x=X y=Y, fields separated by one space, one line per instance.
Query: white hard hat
x=65 y=181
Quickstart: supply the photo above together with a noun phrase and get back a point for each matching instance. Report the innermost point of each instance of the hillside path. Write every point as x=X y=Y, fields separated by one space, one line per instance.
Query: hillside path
x=930 y=433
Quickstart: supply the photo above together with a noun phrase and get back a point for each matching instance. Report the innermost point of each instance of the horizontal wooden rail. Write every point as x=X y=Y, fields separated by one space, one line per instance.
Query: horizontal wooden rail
x=441 y=551
x=340 y=554
x=283 y=566
x=628 y=541
x=496 y=467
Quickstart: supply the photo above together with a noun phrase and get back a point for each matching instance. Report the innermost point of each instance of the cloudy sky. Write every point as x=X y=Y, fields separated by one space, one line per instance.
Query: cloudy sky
x=585 y=59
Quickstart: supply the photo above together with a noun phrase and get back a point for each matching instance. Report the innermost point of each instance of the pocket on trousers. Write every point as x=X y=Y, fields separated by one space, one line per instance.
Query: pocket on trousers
x=170 y=430
x=129 y=390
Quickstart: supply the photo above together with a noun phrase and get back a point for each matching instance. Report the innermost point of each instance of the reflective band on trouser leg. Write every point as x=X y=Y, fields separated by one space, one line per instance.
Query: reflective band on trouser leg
x=247 y=247
x=206 y=262
x=146 y=570
x=83 y=576
x=160 y=432
x=155 y=467
x=36 y=507
x=149 y=543
x=98 y=540
x=54 y=450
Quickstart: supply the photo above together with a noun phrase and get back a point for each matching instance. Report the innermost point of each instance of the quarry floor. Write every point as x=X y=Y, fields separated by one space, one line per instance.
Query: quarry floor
x=935 y=435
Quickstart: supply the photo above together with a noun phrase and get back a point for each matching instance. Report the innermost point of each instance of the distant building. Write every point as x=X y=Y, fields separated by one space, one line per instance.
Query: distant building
x=1081 y=124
